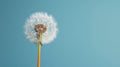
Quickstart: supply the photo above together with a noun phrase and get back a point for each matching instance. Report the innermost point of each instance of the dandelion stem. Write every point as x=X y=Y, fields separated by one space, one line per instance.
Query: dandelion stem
x=39 y=50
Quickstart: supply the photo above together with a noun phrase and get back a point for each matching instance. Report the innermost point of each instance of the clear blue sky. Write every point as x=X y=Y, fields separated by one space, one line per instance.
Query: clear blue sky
x=89 y=33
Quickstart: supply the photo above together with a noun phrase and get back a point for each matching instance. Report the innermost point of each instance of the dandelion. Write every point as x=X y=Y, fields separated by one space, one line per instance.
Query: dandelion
x=41 y=29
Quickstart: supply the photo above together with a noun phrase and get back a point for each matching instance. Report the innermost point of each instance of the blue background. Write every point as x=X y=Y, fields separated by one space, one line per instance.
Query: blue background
x=89 y=33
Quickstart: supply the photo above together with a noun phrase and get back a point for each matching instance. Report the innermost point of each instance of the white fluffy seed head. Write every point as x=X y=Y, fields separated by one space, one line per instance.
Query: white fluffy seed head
x=41 y=18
